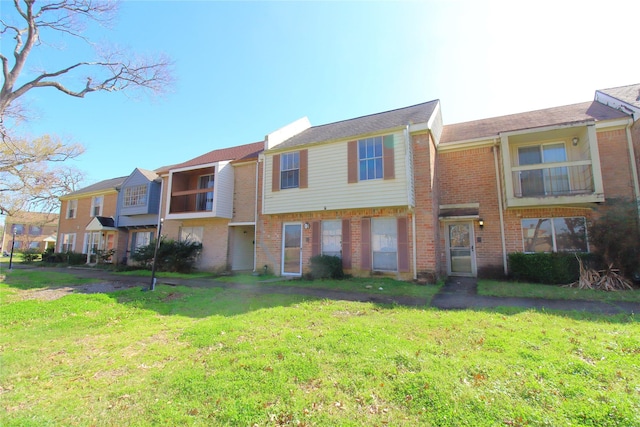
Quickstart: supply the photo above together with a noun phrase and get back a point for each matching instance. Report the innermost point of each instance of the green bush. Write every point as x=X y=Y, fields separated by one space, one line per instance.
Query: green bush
x=326 y=267
x=549 y=268
x=173 y=255
x=71 y=258
x=30 y=255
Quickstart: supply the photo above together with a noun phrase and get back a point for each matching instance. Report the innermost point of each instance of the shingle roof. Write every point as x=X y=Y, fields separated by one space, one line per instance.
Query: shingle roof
x=150 y=175
x=420 y=113
x=245 y=151
x=628 y=94
x=107 y=184
x=488 y=128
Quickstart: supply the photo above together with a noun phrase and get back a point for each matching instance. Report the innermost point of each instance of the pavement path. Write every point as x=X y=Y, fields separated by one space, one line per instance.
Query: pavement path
x=458 y=293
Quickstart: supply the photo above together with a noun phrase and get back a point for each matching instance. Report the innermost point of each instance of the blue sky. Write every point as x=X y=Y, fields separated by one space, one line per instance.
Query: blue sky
x=244 y=69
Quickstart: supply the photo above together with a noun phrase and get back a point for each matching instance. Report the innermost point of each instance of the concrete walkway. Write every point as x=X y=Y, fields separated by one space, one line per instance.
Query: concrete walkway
x=458 y=293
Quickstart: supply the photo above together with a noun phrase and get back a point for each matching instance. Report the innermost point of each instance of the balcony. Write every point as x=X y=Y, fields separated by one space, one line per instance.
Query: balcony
x=201 y=192
x=552 y=167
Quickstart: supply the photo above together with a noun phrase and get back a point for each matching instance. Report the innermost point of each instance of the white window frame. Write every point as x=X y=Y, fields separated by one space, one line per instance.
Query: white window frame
x=68 y=239
x=382 y=242
x=207 y=197
x=72 y=208
x=362 y=160
x=290 y=165
x=331 y=230
x=191 y=234
x=554 y=243
x=135 y=196
x=95 y=204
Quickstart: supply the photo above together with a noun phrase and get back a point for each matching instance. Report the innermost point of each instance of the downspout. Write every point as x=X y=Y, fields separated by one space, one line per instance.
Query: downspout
x=255 y=221
x=634 y=169
x=411 y=189
x=160 y=207
x=504 y=243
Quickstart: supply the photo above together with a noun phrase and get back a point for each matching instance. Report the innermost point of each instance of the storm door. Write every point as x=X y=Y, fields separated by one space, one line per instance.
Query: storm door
x=461 y=259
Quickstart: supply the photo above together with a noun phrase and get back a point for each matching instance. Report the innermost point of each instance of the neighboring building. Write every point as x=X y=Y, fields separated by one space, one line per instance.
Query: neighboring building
x=349 y=189
x=33 y=230
x=137 y=210
x=533 y=179
x=211 y=199
x=626 y=99
x=87 y=220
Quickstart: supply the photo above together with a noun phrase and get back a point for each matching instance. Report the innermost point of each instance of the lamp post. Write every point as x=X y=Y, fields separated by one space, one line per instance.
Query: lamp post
x=13 y=242
x=155 y=255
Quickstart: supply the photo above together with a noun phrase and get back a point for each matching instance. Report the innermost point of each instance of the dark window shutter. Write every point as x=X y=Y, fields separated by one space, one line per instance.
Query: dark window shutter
x=403 y=246
x=346 y=243
x=365 y=244
x=134 y=235
x=352 y=162
x=316 y=241
x=304 y=166
x=388 y=157
x=275 y=173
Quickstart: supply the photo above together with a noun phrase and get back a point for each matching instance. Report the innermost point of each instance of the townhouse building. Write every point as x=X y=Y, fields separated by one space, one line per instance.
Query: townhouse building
x=87 y=222
x=211 y=199
x=348 y=189
x=29 y=230
x=395 y=193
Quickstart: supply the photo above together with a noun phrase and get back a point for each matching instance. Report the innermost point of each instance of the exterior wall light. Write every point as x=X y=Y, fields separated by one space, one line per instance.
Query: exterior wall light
x=481 y=222
x=306 y=225
x=575 y=141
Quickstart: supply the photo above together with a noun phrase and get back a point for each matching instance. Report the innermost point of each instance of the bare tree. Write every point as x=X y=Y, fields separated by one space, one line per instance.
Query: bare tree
x=26 y=171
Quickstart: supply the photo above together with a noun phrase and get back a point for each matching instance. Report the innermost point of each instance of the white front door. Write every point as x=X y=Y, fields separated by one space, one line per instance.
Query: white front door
x=461 y=258
x=292 y=249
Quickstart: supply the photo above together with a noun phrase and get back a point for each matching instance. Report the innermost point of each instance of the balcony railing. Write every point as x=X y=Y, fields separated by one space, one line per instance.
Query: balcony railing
x=189 y=201
x=563 y=179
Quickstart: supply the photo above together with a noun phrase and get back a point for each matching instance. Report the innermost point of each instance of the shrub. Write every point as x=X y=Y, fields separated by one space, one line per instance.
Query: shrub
x=549 y=268
x=615 y=236
x=326 y=267
x=71 y=258
x=173 y=255
x=30 y=255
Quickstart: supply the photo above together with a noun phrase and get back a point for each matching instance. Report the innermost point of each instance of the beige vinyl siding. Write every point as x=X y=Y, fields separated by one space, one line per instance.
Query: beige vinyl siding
x=328 y=187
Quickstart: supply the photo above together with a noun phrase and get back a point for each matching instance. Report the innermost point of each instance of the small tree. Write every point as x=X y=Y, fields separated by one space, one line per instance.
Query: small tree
x=615 y=235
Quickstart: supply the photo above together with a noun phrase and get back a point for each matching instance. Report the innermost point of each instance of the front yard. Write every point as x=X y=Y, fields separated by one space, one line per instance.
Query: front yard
x=213 y=356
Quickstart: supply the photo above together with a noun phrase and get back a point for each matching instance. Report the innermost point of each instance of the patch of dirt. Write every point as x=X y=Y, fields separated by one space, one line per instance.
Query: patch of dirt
x=53 y=293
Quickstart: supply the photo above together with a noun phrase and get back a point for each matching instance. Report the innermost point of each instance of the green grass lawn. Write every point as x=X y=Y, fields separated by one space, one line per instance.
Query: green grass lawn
x=202 y=357
x=531 y=290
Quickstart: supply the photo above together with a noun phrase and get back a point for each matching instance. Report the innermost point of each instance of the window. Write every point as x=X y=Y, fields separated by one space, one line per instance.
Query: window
x=543 y=181
x=34 y=245
x=72 y=208
x=140 y=239
x=35 y=230
x=384 y=244
x=332 y=238
x=204 y=201
x=191 y=234
x=17 y=229
x=96 y=205
x=555 y=234
x=370 y=158
x=135 y=196
x=290 y=170
x=17 y=244
x=68 y=242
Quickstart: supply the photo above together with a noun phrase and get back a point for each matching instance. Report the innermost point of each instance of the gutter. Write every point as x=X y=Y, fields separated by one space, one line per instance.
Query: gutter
x=411 y=189
x=500 y=207
x=255 y=220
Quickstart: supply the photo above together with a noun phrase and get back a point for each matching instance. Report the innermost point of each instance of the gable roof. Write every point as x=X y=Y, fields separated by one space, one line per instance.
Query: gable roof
x=420 y=113
x=245 y=151
x=492 y=127
x=150 y=175
x=628 y=94
x=102 y=186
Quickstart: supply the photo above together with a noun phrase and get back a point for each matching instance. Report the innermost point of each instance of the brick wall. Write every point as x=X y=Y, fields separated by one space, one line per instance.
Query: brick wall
x=215 y=238
x=469 y=176
x=244 y=193
x=615 y=162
